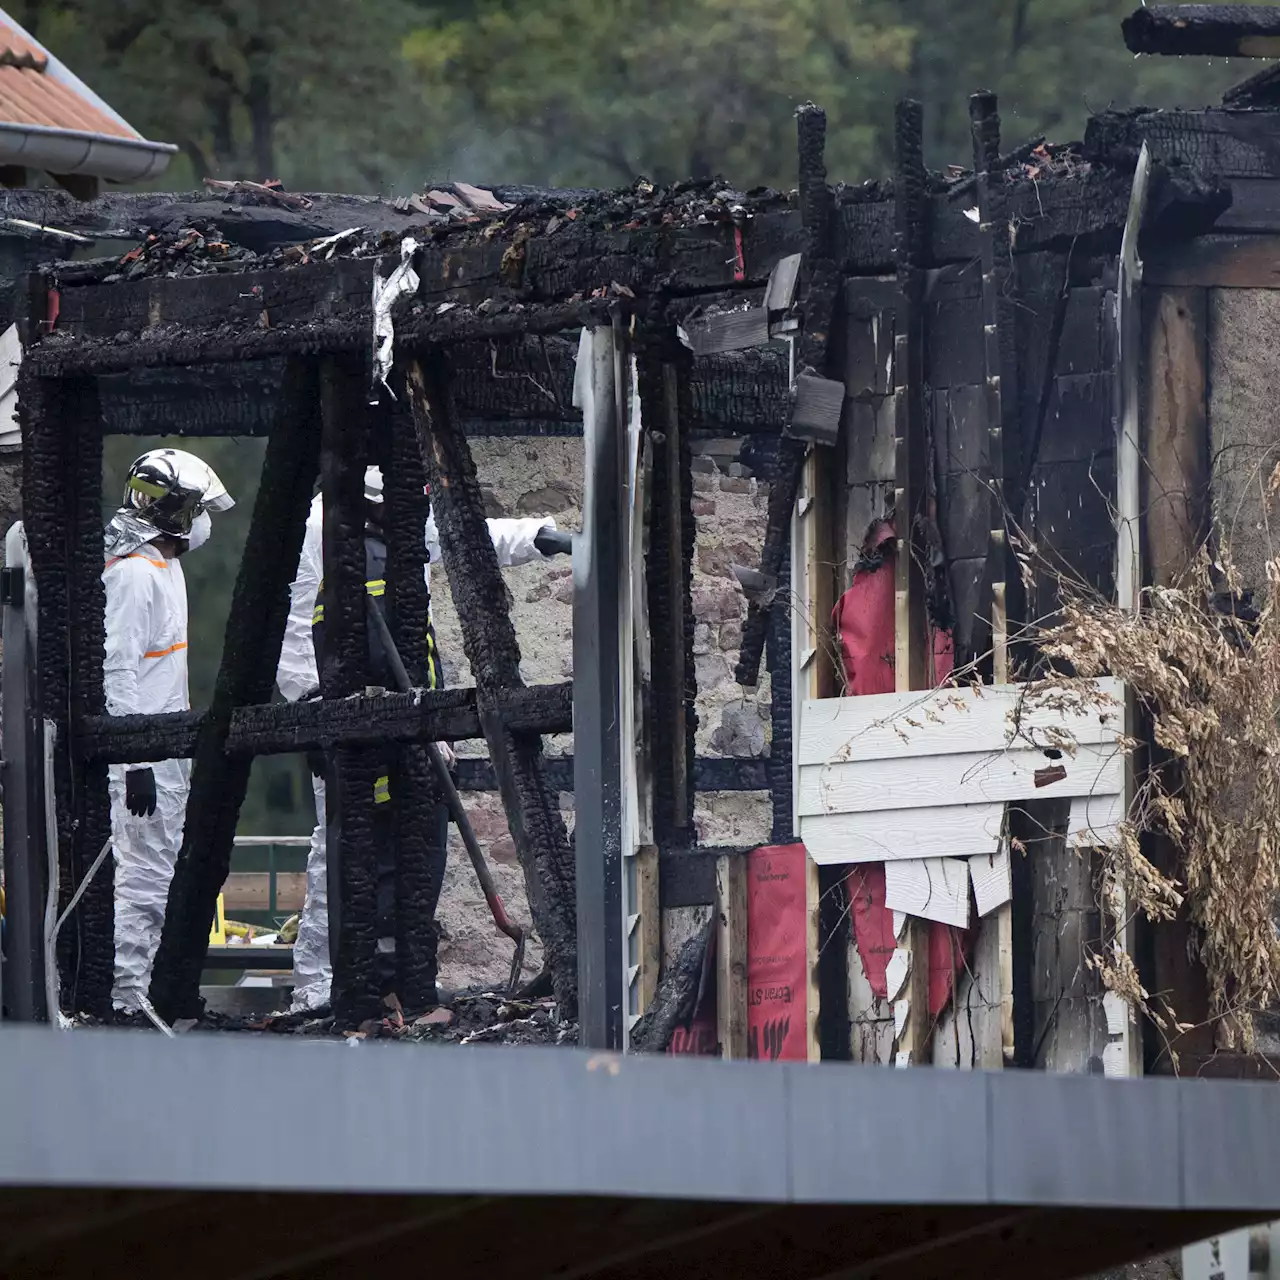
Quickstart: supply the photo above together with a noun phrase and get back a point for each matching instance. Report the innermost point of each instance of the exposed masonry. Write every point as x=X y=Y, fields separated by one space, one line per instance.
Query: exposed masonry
x=535 y=477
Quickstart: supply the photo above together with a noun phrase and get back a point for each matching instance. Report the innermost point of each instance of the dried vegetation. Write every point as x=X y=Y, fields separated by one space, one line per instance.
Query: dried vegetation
x=1204 y=670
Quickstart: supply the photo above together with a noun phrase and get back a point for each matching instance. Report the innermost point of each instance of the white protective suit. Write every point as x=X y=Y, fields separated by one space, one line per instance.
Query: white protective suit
x=513 y=540
x=145 y=673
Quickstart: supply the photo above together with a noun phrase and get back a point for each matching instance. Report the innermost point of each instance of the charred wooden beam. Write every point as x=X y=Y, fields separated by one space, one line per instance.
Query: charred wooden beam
x=235 y=337
x=676 y=1001
x=62 y=478
x=908 y=373
x=821 y=280
x=279 y=728
x=1190 y=146
x=91 y=989
x=1000 y=362
x=352 y=773
x=250 y=655
x=1210 y=30
x=1260 y=90
x=489 y=641
x=781 y=708
x=415 y=793
x=46 y=511
x=515 y=387
x=664 y=393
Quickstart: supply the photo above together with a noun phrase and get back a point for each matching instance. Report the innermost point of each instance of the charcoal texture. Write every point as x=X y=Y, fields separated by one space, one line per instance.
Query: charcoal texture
x=62 y=469
x=344 y=670
x=676 y=999
x=415 y=794
x=668 y=574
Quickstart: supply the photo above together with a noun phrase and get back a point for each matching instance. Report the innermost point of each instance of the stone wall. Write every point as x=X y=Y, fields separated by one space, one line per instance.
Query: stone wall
x=533 y=477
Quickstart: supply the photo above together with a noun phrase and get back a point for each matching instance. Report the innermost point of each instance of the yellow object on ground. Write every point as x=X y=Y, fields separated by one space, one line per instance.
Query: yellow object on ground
x=218 y=934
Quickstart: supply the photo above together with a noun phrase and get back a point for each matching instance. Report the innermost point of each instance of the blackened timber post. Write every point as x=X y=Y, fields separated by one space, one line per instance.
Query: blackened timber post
x=820 y=278
x=352 y=772
x=62 y=487
x=489 y=640
x=414 y=791
x=46 y=513
x=250 y=656
x=664 y=393
x=1207 y=30
x=95 y=913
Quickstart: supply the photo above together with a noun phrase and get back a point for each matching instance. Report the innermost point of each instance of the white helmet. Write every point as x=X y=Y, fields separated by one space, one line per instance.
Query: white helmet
x=165 y=493
x=168 y=488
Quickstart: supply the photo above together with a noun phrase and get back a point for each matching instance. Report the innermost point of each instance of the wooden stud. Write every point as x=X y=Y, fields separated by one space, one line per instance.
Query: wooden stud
x=731 y=955
x=1175 y=505
x=648 y=925
x=1175 y=439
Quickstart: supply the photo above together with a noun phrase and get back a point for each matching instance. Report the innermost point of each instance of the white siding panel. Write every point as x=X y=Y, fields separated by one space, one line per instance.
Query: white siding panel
x=948 y=831
x=931 y=888
x=946 y=721
x=917 y=782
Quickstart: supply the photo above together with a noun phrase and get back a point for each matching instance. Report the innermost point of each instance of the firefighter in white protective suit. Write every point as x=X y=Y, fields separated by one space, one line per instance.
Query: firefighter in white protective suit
x=164 y=514
x=516 y=542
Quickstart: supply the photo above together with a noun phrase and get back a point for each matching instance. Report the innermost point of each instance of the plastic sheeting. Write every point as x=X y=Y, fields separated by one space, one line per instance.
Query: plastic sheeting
x=864 y=618
x=777 y=954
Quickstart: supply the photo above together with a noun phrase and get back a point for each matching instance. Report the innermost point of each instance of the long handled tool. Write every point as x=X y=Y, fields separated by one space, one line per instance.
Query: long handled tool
x=459 y=815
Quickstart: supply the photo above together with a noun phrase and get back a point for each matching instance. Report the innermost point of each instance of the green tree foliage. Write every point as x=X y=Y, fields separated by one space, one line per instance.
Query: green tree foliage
x=600 y=90
x=374 y=95
x=597 y=91
x=313 y=92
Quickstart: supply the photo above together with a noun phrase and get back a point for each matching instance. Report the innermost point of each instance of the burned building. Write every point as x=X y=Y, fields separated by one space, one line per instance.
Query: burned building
x=963 y=392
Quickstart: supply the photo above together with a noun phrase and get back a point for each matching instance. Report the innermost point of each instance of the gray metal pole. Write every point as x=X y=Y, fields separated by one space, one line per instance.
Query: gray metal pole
x=24 y=846
x=598 y=581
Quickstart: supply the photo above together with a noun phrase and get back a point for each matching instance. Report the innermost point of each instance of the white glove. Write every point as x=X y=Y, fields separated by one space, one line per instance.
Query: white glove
x=447 y=754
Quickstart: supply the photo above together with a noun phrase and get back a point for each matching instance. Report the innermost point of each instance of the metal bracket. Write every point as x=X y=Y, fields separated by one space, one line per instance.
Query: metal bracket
x=12 y=586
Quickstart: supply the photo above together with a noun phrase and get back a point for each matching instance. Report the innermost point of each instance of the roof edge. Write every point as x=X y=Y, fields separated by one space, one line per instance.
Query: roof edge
x=59 y=71
x=71 y=151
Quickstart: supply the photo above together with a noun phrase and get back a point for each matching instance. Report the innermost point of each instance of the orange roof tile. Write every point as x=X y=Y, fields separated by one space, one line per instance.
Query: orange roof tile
x=30 y=95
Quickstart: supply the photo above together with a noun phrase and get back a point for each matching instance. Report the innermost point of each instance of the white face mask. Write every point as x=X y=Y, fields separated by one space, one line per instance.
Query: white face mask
x=201 y=528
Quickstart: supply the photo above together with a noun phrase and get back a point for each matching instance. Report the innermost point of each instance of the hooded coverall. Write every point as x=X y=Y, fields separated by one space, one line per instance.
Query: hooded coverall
x=513 y=540
x=145 y=673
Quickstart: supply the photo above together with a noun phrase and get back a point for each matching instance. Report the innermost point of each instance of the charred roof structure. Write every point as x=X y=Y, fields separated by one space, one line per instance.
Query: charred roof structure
x=944 y=342
x=941 y=374
x=965 y=390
